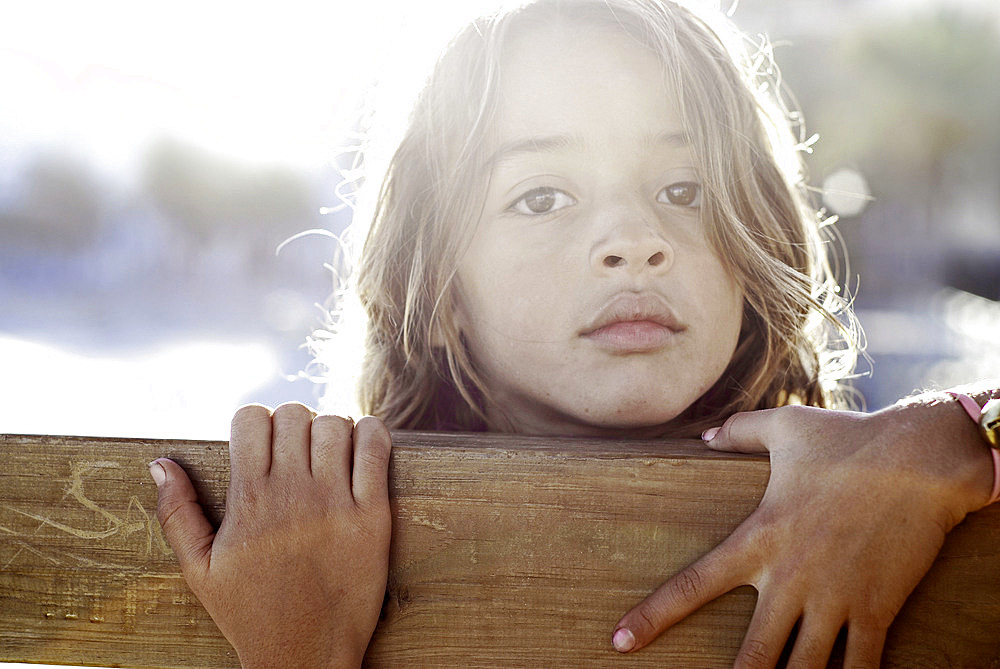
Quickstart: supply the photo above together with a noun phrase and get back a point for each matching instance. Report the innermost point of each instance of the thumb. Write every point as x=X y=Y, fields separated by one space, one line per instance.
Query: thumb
x=745 y=432
x=181 y=517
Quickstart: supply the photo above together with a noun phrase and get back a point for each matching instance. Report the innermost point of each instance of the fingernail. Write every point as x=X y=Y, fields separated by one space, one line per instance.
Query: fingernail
x=709 y=434
x=623 y=640
x=157 y=472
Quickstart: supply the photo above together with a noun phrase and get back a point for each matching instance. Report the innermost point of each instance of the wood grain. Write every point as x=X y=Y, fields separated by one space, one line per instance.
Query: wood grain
x=507 y=552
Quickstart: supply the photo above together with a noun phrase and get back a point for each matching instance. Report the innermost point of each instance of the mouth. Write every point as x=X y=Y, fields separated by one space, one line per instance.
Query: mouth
x=633 y=323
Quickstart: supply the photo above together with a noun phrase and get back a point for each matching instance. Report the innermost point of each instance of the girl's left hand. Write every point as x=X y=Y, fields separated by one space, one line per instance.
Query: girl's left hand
x=856 y=510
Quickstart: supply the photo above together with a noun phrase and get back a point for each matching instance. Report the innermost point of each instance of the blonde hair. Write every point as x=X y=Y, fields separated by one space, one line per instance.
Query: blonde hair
x=797 y=337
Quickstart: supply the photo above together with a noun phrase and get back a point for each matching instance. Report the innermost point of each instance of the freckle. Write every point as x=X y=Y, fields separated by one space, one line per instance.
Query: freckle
x=71 y=616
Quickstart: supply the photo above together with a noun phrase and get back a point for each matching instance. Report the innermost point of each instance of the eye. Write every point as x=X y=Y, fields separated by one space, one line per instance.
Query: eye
x=542 y=200
x=683 y=193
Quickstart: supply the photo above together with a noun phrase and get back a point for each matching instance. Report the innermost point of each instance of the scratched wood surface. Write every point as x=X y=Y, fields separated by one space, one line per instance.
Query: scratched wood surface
x=507 y=552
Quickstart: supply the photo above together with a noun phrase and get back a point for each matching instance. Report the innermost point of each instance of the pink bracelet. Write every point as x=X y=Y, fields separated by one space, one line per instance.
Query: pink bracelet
x=975 y=413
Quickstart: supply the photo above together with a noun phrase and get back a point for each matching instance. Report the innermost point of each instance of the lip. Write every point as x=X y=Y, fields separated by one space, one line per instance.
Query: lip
x=633 y=323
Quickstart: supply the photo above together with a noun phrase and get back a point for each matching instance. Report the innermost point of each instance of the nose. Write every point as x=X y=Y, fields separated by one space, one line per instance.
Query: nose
x=633 y=243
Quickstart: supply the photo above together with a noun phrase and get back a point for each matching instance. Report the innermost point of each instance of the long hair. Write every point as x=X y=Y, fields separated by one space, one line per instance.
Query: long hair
x=798 y=335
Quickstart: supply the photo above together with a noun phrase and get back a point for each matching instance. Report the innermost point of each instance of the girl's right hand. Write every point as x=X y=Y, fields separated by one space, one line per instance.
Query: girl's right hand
x=296 y=573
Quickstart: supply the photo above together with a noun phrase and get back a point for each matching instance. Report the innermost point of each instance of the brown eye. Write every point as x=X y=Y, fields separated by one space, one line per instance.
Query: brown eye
x=683 y=193
x=543 y=200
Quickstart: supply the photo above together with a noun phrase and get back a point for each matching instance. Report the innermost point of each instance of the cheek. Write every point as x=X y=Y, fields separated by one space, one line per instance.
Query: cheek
x=725 y=313
x=731 y=323
x=729 y=294
x=510 y=288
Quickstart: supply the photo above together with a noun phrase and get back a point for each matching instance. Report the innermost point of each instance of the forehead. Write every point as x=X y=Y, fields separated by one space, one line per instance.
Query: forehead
x=568 y=79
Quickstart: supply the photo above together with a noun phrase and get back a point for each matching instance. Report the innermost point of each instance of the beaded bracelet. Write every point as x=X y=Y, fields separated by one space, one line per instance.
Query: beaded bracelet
x=989 y=434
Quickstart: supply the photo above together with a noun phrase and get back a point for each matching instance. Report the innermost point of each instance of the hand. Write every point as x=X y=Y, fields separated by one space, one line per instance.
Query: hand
x=856 y=510
x=296 y=574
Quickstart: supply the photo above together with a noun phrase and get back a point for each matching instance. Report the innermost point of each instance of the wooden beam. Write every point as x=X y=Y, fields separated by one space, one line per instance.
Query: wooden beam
x=507 y=551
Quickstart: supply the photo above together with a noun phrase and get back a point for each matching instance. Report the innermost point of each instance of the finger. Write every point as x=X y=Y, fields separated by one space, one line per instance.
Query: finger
x=291 y=427
x=817 y=634
x=864 y=645
x=183 y=521
x=372 y=446
x=249 y=446
x=332 y=451
x=767 y=634
x=714 y=574
x=745 y=432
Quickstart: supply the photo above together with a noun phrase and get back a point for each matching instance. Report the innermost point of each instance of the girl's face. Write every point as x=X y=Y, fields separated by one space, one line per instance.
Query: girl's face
x=590 y=298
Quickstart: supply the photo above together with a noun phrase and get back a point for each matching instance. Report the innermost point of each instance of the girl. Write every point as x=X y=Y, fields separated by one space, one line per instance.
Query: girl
x=595 y=224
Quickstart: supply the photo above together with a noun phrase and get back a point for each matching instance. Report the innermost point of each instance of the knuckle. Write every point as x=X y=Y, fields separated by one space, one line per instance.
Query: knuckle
x=802 y=420
x=790 y=416
x=730 y=427
x=371 y=431
x=333 y=424
x=166 y=512
x=741 y=426
x=371 y=424
x=294 y=412
x=804 y=660
x=753 y=654
x=647 y=621
x=374 y=454
x=250 y=414
x=789 y=411
x=688 y=584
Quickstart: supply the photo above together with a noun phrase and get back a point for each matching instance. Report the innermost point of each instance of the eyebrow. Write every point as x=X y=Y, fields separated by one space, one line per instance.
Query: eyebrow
x=555 y=143
x=545 y=144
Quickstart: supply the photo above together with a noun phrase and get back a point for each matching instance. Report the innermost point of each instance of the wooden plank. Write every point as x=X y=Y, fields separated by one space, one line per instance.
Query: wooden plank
x=507 y=551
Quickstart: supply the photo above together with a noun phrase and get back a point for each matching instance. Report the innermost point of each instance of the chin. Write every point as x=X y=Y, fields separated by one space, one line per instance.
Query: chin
x=639 y=418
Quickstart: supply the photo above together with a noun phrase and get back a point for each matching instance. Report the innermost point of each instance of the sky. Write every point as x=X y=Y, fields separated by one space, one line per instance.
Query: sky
x=258 y=81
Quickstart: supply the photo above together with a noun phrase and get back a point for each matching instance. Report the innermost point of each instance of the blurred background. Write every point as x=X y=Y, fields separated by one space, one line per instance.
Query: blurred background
x=154 y=158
